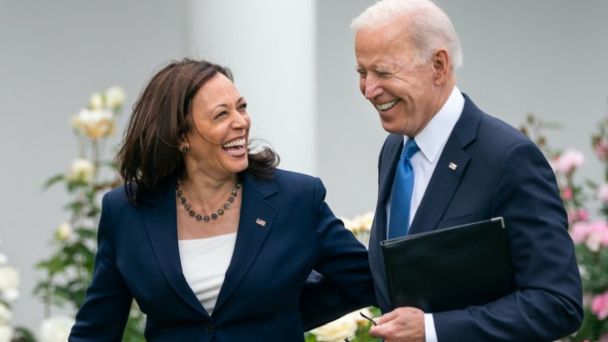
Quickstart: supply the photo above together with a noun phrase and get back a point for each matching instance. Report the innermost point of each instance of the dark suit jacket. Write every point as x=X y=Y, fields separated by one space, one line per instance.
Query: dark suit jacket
x=138 y=258
x=500 y=173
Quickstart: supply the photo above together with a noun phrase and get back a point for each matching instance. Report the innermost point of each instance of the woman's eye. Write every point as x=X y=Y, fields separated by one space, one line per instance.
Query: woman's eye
x=243 y=107
x=221 y=114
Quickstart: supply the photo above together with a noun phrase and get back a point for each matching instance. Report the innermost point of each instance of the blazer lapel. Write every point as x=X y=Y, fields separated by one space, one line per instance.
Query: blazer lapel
x=256 y=218
x=448 y=172
x=389 y=159
x=161 y=224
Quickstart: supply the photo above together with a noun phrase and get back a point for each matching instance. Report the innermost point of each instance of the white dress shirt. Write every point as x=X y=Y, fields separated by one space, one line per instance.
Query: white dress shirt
x=431 y=141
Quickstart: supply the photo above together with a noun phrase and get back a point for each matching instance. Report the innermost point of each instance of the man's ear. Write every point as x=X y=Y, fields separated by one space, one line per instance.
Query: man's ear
x=441 y=66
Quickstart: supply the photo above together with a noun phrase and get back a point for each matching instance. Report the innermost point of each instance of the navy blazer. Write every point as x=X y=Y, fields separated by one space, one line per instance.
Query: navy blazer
x=499 y=172
x=138 y=258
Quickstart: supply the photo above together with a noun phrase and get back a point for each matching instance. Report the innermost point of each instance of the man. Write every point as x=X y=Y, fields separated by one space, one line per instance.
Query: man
x=463 y=166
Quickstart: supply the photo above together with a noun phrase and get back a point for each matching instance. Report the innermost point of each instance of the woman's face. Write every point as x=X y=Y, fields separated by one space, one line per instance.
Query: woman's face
x=218 y=140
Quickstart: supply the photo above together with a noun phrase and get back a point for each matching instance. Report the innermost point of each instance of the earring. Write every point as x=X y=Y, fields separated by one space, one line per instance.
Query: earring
x=185 y=148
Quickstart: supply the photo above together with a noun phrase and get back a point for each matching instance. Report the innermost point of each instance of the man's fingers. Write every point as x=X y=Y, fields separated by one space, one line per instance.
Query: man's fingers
x=387 y=317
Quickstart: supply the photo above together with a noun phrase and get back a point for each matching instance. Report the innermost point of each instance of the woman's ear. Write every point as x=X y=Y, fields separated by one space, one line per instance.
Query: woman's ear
x=184 y=144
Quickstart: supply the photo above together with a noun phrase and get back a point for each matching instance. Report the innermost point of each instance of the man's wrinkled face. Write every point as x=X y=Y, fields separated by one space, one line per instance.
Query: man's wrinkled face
x=400 y=88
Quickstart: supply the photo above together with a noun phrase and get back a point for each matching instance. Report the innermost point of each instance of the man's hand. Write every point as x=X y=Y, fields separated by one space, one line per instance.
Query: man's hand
x=400 y=325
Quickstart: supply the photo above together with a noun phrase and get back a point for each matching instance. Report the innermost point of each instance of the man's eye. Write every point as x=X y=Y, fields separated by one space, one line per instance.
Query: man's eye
x=243 y=107
x=362 y=73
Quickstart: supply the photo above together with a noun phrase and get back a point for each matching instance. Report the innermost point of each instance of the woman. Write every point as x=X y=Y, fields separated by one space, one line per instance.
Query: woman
x=210 y=239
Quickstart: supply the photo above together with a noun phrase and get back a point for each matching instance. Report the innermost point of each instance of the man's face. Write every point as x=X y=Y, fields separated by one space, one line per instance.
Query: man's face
x=403 y=92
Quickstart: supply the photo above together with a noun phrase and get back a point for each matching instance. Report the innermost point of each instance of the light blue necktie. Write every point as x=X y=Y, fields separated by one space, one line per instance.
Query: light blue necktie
x=402 y=192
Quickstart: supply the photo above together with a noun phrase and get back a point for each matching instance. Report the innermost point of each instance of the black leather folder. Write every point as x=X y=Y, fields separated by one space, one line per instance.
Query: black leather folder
x=450 y=268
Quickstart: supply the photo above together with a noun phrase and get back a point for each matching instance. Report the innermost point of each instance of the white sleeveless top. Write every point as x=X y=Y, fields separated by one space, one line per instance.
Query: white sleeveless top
x=204 y=263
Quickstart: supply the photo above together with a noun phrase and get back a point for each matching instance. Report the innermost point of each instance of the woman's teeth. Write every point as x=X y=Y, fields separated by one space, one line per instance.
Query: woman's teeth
x=235 y=143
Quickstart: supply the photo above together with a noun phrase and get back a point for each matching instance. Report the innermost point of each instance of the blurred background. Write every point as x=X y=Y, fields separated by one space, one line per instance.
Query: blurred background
x=294 y=62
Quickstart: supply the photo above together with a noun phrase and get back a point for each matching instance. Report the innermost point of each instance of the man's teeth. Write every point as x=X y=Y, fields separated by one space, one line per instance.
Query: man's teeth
x=386 y=106
x=235 y=143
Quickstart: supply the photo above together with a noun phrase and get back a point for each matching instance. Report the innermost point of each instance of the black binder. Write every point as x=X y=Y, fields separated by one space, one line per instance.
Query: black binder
x=451 y=268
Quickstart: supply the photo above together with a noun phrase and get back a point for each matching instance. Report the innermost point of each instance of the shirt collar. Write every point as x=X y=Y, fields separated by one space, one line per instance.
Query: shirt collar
x=436 y=133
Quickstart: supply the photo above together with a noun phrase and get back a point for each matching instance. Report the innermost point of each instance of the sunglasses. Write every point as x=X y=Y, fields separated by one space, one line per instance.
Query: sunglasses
x=348 y=339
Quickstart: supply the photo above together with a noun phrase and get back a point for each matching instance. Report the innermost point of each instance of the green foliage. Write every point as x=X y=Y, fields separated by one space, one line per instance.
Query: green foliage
x=68 y=270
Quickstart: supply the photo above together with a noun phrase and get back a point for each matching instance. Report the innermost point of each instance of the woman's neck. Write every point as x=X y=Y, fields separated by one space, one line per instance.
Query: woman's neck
x=206 y=191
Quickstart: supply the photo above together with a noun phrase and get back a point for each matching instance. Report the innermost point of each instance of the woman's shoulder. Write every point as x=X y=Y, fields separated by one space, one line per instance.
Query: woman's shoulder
x=116 y=197
x=295 y=180
x=286 y=180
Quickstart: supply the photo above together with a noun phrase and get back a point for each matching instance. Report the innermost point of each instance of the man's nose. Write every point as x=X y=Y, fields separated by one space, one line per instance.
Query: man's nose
x=371 y=87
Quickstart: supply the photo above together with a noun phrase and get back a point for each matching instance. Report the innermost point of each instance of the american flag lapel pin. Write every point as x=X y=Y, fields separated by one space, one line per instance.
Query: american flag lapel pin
x=452 y=166
x=260 y=222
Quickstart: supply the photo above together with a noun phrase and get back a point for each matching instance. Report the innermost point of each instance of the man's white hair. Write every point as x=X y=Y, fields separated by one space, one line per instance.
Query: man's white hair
x=429 y=27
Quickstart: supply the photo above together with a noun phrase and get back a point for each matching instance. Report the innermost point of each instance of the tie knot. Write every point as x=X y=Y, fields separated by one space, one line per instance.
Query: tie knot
x=410 y=149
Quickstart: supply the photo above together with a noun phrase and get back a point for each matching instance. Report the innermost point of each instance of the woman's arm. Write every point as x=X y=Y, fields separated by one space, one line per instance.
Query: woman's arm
x=342 y=280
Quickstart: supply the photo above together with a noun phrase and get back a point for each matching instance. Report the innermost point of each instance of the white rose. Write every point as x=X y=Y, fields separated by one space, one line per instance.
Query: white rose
x=3 y=259
x=95 y=123
x=338 y=330
x=115 y=97
x=81 y=170
x=96 y=101
x=348 y=224
x=366 y=220
x=9 y=282
x=64 y=231
x=6 y=333
x=56 y=329
x=5 y=314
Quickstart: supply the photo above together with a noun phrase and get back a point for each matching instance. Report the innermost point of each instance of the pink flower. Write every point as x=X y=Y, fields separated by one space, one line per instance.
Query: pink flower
x=594 y=234
x=602 y=192
x=604 y=338
x=582 y=215
x=577 y=216
x=580 y=231
x=598 y=235
x=566 y=193
x=567 y=162
x=601 y=148
x=599 y=306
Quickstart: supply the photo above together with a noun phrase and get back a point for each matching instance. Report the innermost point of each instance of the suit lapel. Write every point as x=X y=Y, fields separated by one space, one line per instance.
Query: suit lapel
x=161 y=225
x=256 y=218
x=390 y=157
x=449 y=170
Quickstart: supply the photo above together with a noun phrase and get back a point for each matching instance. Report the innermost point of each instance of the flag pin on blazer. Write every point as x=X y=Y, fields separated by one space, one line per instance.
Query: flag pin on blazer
x=260 y=222
x=452 y=166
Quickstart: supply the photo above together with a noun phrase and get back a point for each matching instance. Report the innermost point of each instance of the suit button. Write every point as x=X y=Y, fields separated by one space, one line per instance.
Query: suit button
x=209 y=327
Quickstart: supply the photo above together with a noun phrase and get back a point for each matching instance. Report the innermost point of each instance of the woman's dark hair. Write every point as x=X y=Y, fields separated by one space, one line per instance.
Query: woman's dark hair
x=150 y=154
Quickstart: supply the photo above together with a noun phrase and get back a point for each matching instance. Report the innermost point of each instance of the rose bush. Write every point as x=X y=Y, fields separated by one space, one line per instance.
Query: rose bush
x=68 y=270
x=589 y=230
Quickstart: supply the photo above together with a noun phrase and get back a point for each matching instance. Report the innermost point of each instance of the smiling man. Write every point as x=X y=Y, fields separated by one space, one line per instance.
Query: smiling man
x=445 y=163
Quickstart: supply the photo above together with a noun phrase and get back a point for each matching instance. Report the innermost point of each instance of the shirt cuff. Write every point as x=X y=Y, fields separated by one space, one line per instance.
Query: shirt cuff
x=430 y=335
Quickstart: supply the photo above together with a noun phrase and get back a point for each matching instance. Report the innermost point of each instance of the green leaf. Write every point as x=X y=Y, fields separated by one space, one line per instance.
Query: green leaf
x=53 y=180
x=22 y=334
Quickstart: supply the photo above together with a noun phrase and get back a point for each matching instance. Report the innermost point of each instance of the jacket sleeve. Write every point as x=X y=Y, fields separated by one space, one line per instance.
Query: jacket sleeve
x=104 y=313
x=342 y=280
x=547 y=304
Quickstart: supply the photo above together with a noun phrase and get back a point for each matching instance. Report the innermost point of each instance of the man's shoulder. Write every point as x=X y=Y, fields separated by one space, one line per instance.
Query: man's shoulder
x=490 y=132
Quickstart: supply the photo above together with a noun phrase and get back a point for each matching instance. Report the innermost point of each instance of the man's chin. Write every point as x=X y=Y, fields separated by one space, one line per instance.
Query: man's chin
x=391 y=127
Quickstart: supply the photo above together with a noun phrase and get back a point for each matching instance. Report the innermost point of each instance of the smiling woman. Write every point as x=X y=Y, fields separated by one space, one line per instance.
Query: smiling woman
x=197 y=233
